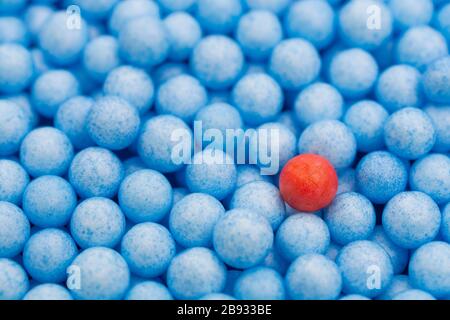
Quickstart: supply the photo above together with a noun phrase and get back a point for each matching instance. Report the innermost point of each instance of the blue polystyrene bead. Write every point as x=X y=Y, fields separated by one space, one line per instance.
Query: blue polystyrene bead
x=431 y=175
x=300 y=234
x=148 y=249
x=353 y=72
x=258 y=32
x=145 y=196
x=350 y=217
x=95 y=172
x=242 y=238
x=167 y=71
x=144 y=42
x=48 y=291
x=440 y=116
x=13 y=181
x=14 y=230
x=97 y=222
x=217 y=296
x=47 y=255
x=16 y=68
x=380 y=175
x=409 y=133
x=333 y=251
x=443 y=21
x=62 y=45
x=71 y=119
x=366 y=268
x=312 y=20
x=148 y=290
x=100 y=56
x=49 y=201
x=294 y=63
x=193 y=218
x=51 y=89
x=23 y=100
x=428 y=268
x=365 y=24
x=366 y=119
x=182 y=96
x=435 y=81
x=125 y=11
x=276 y=6
x=259 y=283
x=46 y=151
x=399 y=256
x=411 y=219
x=263 y=198
x=217 y=61
x=398 y=87
x=313 y=277
x=445 y=223
x=35 y=17
x=420 y=46
x=194 y=273
x=105 y=275
x=13 y=30
x=218 y=16
x=184 y=33
x=11 y=6
x=346 y=180
x=95 y=10
x=14 y=125
x=155 y=146
x=14 y=283
x=411 y=13
x=318 y=101
x=331 y=139
x=399 y=283
x=413 y=294
x=249 y=173
x=212 y=172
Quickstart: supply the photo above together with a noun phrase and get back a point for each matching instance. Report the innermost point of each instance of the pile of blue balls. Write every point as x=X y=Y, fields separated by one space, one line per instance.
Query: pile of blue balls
x=92 y=205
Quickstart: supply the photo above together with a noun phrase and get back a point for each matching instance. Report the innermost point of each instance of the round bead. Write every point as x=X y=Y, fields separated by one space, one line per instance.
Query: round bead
x=100 y=56
x=399 y=283
x=48 y=291
x=259 y=283
x=413 y=294
x=435 y=81
x=14 y=125
x=14 y=282
x=14 y=230
x=218 y=16
x=440 y=116
x=16 y=68
x=13 y=181
x=148 y=290
x=13 y=30
x=410 y=13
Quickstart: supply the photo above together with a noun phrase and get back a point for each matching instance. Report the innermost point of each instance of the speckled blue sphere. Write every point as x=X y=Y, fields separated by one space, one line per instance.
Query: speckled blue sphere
x=16 y=68
x=46 y=151
x=435 y=81
x=51 y=89
x=440 y=116
x=258 y=32
x=319 y=101
x=366 y=119
x=193 y=218
x=14 y=282
x=445 y=223
x=23 y=100
x=263 y=198
x=96 y=172
x=194 y=273
x=49 y=201
x=259 y=283
x=242 y=238
x=413 y=294
x=145 y=196
x=13 y=181
x=217 y=61
x=144 y=42
x=443 y=21
x=148 y=290
x=313 y=277
x=104 y=275
x=353 y=72
x=48 y=291
x=380 y=175
x=155 y=145
x=35 y=17
x=312 y=20
x=350 y=217
x=411 y=13
x=331 y=139
x=276 y=6
x=365 y=24
x=366 y=268
x=398 y=87
x=300 y=234
x=13 y=30
x=47 y=254
x=428 y=268
x=100 y=56
x=14 y=125
x=409 y=133
x=420 y=46
x=218 y=16
x=294 y=63
x=14 y=230
x=411 y=219
x=399 y=283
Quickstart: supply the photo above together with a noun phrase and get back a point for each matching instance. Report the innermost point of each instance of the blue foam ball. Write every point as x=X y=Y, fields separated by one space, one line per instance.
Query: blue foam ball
x=105 y=275
x=48 y=254
x=259 y=283
x=249 y=173
x=313 y=277
x=14 y=230
x=194 y=273
x=440 y=116
x=435 y=81
x=409 y=133
x=411 y=13
x=14 y=283
x=411 y=219
x=218 y=16
x=399 y=283
x=100 y=56
x=443 y=21
x=13 y=181
x=96 y=172
x=95 y=10
x=23 y=100
x=48 y=291
x=276 y=6
x=16 y=68
x=413 y=294
x=242 y=238
x=13 y=30
x=366 y=268
x=445 y=223
x=148 y=290
x=14 y=125
x=331 y=139
x=35 y=17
